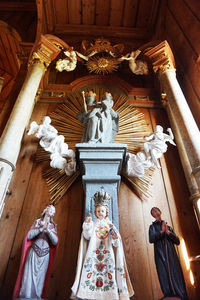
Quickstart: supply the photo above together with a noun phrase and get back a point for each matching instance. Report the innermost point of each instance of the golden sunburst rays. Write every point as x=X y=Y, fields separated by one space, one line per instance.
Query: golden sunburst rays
x=102 y=65
x=59 y=183
x=132 y=128
x=141 y=185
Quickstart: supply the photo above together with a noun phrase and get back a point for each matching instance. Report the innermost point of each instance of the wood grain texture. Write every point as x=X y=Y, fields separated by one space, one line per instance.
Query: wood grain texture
x=194 y=7
x=116 y=12
x=102 y=15
x=135 y=245
x=143 y=14
x=182 y=51
x=130 y=12
x=61 y=11
x=30 y=196
x=74 y=10
x=88 y=12
x=189 y=25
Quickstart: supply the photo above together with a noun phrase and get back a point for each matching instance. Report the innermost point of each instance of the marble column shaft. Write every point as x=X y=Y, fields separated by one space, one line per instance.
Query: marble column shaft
x=191 y=181
x=188 y=129
x=10 y=142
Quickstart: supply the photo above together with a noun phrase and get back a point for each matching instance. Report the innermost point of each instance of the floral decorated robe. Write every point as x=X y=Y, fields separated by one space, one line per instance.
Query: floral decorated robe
x=101 y=268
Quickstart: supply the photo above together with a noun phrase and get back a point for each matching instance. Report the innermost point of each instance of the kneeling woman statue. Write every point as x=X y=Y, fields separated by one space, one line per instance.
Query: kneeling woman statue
x=37 y=258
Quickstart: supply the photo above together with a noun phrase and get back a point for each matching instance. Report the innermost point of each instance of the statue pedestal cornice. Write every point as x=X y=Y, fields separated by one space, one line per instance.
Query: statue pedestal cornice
x=101 y=165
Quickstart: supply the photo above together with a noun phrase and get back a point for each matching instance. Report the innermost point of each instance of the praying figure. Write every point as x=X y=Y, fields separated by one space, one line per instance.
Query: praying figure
x=38 y=254
x=167 y=263
x=101 y=268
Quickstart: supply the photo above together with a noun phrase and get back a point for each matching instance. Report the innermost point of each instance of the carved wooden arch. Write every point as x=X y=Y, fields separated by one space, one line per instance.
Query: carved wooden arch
x=10 y=40
x=127 y=88
x=10 y=30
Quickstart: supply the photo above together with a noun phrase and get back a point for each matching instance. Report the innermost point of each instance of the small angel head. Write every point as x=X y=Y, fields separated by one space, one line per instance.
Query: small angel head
x=46 y=120
x=159 y=128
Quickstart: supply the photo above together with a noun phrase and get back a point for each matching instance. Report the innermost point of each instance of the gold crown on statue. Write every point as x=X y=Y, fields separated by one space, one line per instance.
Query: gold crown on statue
x=101 y=198
x=90 y=93
x=107 y=93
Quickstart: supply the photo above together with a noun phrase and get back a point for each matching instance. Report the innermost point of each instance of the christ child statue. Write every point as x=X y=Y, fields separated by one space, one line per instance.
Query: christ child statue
x=101 y=269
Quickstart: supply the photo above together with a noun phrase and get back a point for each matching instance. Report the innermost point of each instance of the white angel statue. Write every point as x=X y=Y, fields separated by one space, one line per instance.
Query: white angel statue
x=68 y=64
x=45 y=132
x=156 y=144
x=138 y=66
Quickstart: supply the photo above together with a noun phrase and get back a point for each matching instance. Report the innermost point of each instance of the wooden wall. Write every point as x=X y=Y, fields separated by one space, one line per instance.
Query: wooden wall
x=29 y=195
x=182 y=27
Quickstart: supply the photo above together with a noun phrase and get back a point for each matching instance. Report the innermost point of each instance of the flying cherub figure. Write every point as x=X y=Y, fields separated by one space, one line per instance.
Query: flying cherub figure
x=68 y=64
x=138 y=66
x=44 y=131
x=156 y=144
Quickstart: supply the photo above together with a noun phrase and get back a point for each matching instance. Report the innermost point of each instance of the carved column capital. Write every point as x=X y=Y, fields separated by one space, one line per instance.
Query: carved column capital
x=44 y=51
x=162 y=58
x=164 y=99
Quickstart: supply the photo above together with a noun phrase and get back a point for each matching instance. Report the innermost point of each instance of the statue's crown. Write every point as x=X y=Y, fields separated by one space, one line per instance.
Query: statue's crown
x=101 y=198
x=108 y=94
x=90 y=93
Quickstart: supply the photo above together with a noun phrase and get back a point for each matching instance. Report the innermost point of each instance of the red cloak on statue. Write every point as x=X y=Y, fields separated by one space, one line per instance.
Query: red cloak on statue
x=25 y=250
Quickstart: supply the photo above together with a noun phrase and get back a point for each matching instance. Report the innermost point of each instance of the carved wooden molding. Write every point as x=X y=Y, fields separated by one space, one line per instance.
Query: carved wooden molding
x=46 y=49
x=105 y=31
x=161 y=57
x=96 y=79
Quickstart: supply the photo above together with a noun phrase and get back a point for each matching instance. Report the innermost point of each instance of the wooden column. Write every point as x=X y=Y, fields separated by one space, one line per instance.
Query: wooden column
x=43 y=53
x=185 y=128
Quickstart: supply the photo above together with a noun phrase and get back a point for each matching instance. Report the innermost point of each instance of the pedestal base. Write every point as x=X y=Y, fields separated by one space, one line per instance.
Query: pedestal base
x=101 y=165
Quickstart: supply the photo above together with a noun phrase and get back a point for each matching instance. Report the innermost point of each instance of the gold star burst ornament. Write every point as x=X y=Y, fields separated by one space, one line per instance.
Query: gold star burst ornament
x=102 y=65
x=132 y=128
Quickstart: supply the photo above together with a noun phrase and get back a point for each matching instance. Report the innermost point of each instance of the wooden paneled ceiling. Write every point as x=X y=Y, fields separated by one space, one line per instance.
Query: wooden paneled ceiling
x=130 y=20
x=116 y=18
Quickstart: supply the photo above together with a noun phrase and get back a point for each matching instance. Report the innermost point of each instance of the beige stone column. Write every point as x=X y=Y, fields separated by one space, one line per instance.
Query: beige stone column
x=191 y=181
x=10 y=142
x=183 y=124
x=164 y=66
x=189 y=131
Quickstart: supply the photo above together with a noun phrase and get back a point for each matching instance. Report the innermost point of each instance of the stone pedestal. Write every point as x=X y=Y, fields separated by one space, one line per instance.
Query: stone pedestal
x=101 y=165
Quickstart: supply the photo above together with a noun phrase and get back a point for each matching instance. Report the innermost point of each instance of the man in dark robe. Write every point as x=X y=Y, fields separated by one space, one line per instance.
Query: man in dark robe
x=167 y=263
